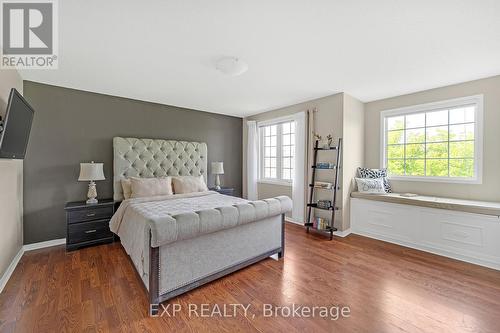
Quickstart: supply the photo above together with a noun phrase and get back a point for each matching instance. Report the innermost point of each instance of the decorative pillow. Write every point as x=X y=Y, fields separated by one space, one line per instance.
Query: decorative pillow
x=376 y=173
x=126 y=188
x=150 y=187
x=189 y=184
x=370 y=185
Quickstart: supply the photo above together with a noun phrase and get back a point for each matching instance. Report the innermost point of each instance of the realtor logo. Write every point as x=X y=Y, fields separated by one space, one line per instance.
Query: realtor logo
x=29 y=34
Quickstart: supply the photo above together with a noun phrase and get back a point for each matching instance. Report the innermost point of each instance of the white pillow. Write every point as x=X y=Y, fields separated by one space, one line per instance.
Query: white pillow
x=370 y=185
x=189 y=184
x=150 y=187
x=126 y=188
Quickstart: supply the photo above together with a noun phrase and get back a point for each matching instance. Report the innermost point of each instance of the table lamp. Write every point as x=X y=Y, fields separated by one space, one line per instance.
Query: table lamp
x=91 y=172
x=217 y=169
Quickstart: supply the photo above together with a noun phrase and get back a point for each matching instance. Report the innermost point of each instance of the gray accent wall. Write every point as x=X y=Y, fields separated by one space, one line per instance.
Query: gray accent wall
x=72 y=126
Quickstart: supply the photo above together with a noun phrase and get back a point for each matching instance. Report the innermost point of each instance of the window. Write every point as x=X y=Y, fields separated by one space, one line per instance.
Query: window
x=287 y=150
x=277 y=152
x=434 y=142
x=270 y=151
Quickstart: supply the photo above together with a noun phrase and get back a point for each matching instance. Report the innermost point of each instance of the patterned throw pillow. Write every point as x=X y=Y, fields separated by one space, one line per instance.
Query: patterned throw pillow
x=376 y=173
x=370 y=185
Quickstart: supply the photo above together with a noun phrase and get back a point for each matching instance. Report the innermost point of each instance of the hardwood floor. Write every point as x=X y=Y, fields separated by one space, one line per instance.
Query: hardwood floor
x=388 y=288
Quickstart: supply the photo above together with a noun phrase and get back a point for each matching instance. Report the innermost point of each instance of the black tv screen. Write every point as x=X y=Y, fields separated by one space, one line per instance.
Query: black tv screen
x=17 y=127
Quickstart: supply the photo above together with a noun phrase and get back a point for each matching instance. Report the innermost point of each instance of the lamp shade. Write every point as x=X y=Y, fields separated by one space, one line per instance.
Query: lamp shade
x=217 y=168
x=91 y=171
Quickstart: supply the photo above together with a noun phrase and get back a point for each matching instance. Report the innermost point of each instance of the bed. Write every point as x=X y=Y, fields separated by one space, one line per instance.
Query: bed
x=179 y=242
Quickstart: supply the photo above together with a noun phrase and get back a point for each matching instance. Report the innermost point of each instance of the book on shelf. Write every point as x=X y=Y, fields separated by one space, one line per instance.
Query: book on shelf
x=326 y=204
x=324 y=185
x=325 y=165
x=320 y=223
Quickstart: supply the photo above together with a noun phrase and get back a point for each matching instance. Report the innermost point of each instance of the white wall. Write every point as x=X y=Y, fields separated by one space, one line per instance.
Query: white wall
x=489 y=189
x=11 y=186
x=353 y=152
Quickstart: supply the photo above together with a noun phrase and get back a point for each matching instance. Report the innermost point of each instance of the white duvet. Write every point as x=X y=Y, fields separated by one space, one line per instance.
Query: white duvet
x=153 y=208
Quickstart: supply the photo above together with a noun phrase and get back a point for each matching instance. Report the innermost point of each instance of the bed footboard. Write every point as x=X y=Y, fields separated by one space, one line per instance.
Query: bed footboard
x=155 y=298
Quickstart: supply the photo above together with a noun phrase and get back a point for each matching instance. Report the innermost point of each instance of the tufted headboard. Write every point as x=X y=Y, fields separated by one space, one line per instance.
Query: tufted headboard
x=156 y=158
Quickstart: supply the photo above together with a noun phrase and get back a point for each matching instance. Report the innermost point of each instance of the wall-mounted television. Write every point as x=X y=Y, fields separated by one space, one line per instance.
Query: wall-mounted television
x=16 y=128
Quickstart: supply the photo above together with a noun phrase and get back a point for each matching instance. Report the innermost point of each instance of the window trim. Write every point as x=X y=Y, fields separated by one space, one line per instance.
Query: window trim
x=271 y=181
x=264 y=123
x=477 y=100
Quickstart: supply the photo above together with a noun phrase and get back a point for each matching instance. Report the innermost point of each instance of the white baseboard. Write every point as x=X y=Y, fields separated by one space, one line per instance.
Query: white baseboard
x=336 y=233
x=430 y=249
x=289 y=219
x=28 y=247
x=41 y=245
x=343 y=234
x=8 y=272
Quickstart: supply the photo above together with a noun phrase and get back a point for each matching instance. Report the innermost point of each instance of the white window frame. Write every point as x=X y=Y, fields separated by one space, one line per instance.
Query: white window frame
x=279 y=137
x=478 y=137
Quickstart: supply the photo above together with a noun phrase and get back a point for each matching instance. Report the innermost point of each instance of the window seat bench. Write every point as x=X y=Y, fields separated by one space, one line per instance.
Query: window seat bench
x=461 y=229
x=468 y=206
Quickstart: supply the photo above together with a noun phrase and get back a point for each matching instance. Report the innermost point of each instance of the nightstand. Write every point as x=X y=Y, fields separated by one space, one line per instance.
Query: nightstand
x=224 y=190
x=88 y=224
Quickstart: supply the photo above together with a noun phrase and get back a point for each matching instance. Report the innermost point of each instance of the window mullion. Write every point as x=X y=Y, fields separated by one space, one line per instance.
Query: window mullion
x=279 y=151
x=261 y=152
x=449 y=142
x=404 y=143
x=425 y=144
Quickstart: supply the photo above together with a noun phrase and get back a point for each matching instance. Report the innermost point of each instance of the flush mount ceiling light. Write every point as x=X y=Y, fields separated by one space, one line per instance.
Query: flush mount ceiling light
x=231 y=66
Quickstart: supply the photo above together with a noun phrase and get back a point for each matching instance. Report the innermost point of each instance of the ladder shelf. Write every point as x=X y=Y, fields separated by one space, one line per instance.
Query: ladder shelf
x=313 y=205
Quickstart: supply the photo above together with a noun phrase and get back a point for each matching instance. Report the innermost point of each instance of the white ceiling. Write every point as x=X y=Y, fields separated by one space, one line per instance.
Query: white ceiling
x=164 y=51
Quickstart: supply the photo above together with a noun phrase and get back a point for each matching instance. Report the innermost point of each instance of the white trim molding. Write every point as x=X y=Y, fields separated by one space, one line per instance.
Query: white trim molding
x=41 y=245
x=476 y=100
x=8 y=272
x=280 y=182
x=291 y=220
x=342 y=234
x=25 y=248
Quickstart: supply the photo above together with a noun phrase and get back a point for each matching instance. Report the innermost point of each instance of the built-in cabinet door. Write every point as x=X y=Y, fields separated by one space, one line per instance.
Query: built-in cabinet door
x=473 y=235
x=380 y=219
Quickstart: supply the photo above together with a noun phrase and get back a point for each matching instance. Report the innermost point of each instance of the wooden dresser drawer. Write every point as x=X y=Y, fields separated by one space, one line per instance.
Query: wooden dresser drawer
x=94 y=230
x=90 y=214
x=88 y=224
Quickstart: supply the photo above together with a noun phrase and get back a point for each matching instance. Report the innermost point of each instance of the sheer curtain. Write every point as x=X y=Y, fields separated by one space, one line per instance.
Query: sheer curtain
x=298 y=185
x=252 y=159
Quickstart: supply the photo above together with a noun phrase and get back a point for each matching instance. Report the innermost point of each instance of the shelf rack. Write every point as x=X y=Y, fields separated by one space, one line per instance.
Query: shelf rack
x=312 y=204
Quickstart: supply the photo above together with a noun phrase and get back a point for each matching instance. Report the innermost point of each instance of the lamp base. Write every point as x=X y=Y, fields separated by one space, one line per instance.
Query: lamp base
x=217 y=182
x=92 y=194
x=92 y=201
